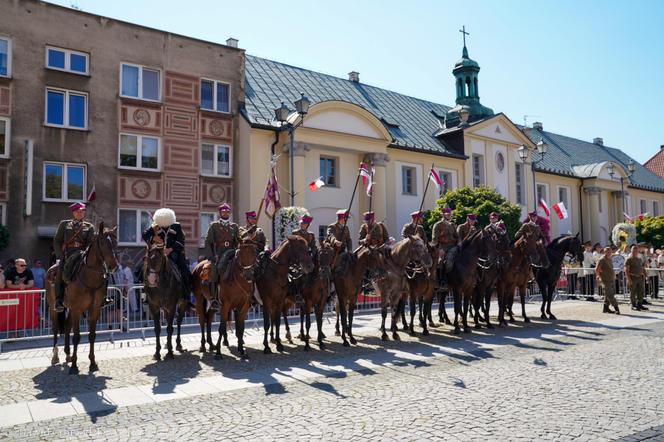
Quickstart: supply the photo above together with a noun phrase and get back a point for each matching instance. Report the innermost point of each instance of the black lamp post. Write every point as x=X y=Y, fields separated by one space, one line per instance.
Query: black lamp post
x=611 y=169
x=281 y=115
x=542 y=147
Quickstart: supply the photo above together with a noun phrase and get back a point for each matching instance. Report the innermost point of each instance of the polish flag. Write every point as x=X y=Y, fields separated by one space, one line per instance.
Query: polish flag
x=560 y=210
x=545 y=207
x=367 y=173
x=316 y=184
x=627 y=217
x=93 y=194
x=433 y=176
x=643 y=215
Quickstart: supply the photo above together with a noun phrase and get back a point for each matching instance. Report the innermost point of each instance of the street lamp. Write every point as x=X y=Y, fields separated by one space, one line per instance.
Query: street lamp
x=281 y=114
x=542 y=148
x=611 y=169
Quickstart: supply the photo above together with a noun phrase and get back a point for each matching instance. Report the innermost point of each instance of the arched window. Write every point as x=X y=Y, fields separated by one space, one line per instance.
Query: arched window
x=459 y=88
x=477 y=91
x=469 y=87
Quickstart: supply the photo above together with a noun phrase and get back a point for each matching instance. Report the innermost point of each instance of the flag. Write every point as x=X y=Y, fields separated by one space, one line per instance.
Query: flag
x=643 y=215
x=627 y=217
x=545 y=207
x=367 y=172
x=93 y=194
x=433 y=176
x=271 y=196
x=560 y=210
x=316 y=184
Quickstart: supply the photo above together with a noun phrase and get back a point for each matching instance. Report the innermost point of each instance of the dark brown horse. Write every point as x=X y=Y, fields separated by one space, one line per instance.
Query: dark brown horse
x=488 y=276
x=235 y=294
x=163 y=289
x=421 y=284
x=84 y=294
x=272 y=283
x=524 y=253
x=463 y=277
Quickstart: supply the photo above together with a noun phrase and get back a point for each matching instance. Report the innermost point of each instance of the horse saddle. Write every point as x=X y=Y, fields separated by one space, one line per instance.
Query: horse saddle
x=224 y=264
x=72 y=266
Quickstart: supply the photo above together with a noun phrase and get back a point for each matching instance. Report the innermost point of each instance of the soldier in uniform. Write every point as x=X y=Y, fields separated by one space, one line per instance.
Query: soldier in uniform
x=303 y=231
x=373 y=233
x=223 y=237
x=72 y=238
x=414 y=227
x=445 y=238
x=494 y=218
x=531 y=223
x=165 y=230
x=339 y=231
x=468 y=227
x=607 y=280
x=635 y=271
x=254 y=233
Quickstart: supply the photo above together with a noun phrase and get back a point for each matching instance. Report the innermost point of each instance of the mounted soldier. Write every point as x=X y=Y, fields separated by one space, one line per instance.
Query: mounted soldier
x=373 y=234
x=303 y=231
x=339 y=232
x=71 y=239
x=494 y=218
x=299 y=281
x=530 y=225
x=414 y=227
x=445 y=238
x=223 y=237
x=252 y=232
x=167 y=232
x=468 y=227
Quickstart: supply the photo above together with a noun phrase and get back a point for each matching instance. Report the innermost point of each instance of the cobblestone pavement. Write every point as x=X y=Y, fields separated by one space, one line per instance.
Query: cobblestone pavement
x=596 y=378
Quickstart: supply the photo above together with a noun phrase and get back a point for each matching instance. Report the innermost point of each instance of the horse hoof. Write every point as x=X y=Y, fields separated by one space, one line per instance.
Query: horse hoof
x=552 y=317
x=337 y=333
x=273 y=341
x=202 y=349
x=543 y=316
x=300 y=337
x=384 y=337
x=93 y=368
x=218 y=357
x=212 y=348
x=466 y=330
x=226 y=343
x=170 y=355
x=68 y=359
x=353 y=340
x=512 y=320
x=526 y=320
x=478 y=326
x=425 y=332
x=73 y=369
x=405 y=328
x=307 y=347
x=448 y=322
x=156 y=357
x=433 y=325
x=396 y=336
x=55 y=360
x=457 y=331
x=180 y=349
x=489 y=326
x=280 y=347
x=267 y=351
x=290 y=341
x=412 y=333
x=322 y=335
x=346 y=344
x=244 y=357
x=321 y=346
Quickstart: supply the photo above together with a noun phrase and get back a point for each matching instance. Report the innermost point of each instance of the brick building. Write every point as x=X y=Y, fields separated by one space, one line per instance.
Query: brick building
x=148 y=118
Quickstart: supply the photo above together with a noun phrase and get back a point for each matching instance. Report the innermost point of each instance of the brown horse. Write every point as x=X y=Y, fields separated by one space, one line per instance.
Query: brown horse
x=421 y=285
x=488 y=276
x=84 y=294
x=515 y=275
x=163 y=291
x=273 y=282
x=235 y=294
x=393 y=282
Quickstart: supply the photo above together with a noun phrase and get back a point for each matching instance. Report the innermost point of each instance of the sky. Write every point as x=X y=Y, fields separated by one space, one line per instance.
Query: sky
x=586 y=69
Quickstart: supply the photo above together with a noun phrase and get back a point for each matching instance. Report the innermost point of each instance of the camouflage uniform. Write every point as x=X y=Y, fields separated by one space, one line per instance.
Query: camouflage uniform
x=172 y=238
x=465 y=229
x=412 y=229
x=374 y=235
x=71 y=239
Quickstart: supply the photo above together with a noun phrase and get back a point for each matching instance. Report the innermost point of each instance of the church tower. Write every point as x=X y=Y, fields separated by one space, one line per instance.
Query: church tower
x=468 y=103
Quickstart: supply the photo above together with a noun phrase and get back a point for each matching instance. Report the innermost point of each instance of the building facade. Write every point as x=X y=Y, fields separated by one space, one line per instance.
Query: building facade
x=146 y=118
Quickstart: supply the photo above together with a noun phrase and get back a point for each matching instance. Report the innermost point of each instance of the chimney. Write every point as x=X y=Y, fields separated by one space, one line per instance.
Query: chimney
x=537 y=125
x=232 y=42
x=599 y=141
x=661 y=147
x=354 y=76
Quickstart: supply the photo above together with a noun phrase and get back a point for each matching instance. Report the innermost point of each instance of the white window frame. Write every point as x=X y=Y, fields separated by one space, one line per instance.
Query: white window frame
x=337 y=172
x=3 y=215
x=482 y=171
x=65 y=191
x=519 y=185
x=546 y=192
x=9 y=56
x=67 y=92
x=453 y=175
x=215 y=217
x=139 y=152
x=68 y=53
x=414 y=180
x=230 y=161
x=214 y=96
x=139 y=232
x=643 y=204
x=8 y=136
x=140 y=82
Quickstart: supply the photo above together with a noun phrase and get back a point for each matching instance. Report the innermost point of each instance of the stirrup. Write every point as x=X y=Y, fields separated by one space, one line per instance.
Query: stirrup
x=107 y=301
x=214 y=305
x=59 y=307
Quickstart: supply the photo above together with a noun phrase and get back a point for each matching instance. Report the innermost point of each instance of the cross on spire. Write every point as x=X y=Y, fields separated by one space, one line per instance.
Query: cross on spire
x=463 y=31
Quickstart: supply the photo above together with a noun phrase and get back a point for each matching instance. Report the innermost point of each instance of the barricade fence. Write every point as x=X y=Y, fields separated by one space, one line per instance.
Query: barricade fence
x=24 y=314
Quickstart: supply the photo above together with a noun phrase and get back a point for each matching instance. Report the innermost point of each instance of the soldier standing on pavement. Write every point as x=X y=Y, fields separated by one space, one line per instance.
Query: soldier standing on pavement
x=414 y=227
x=636 y=278
x=373 y=234
x=607 y=280
x=223 y=237
x=468 y=227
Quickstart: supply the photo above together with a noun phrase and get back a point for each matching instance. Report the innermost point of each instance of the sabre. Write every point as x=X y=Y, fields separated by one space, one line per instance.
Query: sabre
x=357 y=179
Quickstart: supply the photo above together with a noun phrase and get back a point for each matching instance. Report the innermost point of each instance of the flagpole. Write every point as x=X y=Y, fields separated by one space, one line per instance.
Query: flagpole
x=357 y=179
x=426 y=187
x=371 y=189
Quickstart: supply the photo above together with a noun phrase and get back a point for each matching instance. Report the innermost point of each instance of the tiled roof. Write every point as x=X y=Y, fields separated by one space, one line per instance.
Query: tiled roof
x=568 y=156
x=656 y=164
x=411 y=121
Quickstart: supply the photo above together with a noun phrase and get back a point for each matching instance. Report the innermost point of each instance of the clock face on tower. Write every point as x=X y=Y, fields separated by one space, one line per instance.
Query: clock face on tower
x=500 y=162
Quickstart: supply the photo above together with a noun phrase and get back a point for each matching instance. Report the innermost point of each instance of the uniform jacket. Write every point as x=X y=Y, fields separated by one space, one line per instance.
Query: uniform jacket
x=464 y=230
x=374 y=235
x=172 y=237
x=340 y=233
x=72 y=235
x=222 y=236
x=309 y=237
x=444 y=234
x=411 y=229
x=531 y=225
x=256 y=234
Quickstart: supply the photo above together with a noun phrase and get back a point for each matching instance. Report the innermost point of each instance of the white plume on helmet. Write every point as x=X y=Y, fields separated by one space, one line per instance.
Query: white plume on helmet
x=164 y=217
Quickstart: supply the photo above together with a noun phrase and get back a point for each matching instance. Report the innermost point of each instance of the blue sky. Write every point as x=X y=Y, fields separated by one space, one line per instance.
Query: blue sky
x=585 y=68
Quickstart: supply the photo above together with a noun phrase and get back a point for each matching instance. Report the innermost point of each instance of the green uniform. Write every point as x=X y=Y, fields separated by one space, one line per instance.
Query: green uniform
x=222 y=236
x=607 y=279
x=255 y=234
x=412 y=229
x=444 y=235
x=529 y=226
x=309 y=237
x=72 y=236
x=374 y=235
x=635 y=268
x=465 y=229
x=341 y=233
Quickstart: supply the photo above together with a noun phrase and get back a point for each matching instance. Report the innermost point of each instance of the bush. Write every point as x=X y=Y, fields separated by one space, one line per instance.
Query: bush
x=481 y=201
x=4 y=237
x=287 y=219
x=651 y=230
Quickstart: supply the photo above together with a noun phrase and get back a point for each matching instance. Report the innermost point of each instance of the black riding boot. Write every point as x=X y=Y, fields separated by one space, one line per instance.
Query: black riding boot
x=59 y=295
x=214 y=297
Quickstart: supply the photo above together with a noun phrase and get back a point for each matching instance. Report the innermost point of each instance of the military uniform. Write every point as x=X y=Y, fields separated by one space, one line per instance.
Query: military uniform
x=374 y=234
x=71 y=238
x=444 y=237
x=530 y=225
x=256 y=234
x=222 y=236
x=635 y=268
x=607 y=278
x=412 y=229
x=309 y=237
x=465 y=229
x=171 y=237
x=341 y=233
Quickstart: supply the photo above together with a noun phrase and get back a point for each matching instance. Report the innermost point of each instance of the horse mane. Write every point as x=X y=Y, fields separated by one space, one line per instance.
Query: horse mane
x=399 y=249
x=560 y=238
x=277 y=253
x=469 y=239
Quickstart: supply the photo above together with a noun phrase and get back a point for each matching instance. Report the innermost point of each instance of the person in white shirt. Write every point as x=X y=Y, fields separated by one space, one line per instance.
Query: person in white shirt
x=588 y=287
x=127 y=284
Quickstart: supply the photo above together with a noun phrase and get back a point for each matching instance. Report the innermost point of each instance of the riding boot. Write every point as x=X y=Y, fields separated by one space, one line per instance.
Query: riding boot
x=214 y=297
x=644 y=302
x=642 y=307
x=617 y=311
x=59 y=295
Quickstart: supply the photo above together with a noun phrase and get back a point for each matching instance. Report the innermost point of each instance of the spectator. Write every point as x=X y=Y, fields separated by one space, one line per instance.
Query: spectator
x=39 y=272
x=2 y=277
x=588 y=288
x=572 y=271
x=127 y=286
x=19 y=277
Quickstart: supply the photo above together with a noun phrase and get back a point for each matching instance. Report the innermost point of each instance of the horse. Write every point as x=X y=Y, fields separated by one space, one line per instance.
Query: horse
x=488 y=276
x=421 y=285
x=84 y=294
x=524 y=253
x=273 y=282
x=393 y=282
x=463 y=277
x=163 y=290
x=547 y=277
x=235 y=294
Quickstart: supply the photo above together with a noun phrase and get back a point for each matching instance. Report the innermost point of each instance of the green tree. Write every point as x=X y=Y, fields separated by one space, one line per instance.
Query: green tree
x=651 y=230
x=481 y=201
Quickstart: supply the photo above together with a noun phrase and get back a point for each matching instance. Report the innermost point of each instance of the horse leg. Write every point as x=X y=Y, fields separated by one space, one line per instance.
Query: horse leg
x=76 y=324
x=68 y=330
x=427 y=310
x=466 y=302
x=178 y=341
x=55 y=327
x=169 y=335
x=202 y=322
x=457 y=311
x=344 y=323
x=549 y=297
x=92 y=335
x=301 y=336
x=289 y=338
x=319 y=323
x=446 y=318
x=157 y=332
x=307 y=308
x=487 y=306
x=401 y=309
x=394 y=310
x=337 y=331
x=510 y=302
x=266 y=329
x=476 y=300
x=351 y=312
x=224 y=314
x=208 y=324
x=383 y=315
x=228 y=318
x=280 y=346
x=522 y=296
x=413 y=308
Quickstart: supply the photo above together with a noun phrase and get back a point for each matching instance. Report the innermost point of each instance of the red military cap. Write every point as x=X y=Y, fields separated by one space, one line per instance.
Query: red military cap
x=472 y=217
x=343 y=213
x=368 y=216
x=251 y=214
x=533 y=213
x=76 y=206
x=416 y=214
x=447 y=210
x=306 y=219
x=225 y=207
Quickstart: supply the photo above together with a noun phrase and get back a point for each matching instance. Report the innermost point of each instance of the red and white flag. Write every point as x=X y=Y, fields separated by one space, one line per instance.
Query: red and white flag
x=544 y=207
x=271 y=197
x=627 y=217
x=435 y=178
x=643 y=215
x=316 y=184
x=560 y=210
x=367 y=173
x=93 y=193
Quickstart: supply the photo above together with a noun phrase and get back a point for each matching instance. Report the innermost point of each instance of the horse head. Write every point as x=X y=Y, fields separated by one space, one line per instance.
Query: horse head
x=107 y=242
x=531 y=248
x=373 y=257
x=572 y=245
x=485 y=243
x=245 y=257
x=298 y=253
x=419 y=251
x=154 y=265
x=327 y=256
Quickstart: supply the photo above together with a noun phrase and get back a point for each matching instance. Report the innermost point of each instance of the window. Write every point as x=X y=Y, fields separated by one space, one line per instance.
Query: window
x=541 y=193
x=446 y=178
x=64 y=182
x=478 y=170
x=131 y=225
x=215 y=96
x=328 y=170
x=5 y=136
x=67 y=60
x=68 y=109
x=139 y=152
x=563 y=196
x=655 y=208
x=642 y=206
x=5 y=57
x=518 y=174
x=140 y=82
x=3 y=214
x=408 y=180
x=205 y=219
x=216 y=160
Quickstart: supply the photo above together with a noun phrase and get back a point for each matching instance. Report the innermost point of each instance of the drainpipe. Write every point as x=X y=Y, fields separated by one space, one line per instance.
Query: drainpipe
x=276 y=140
x=581 y=209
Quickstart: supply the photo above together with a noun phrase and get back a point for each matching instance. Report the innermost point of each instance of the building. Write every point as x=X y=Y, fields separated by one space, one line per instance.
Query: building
x=656 y=163
x=147 y=118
